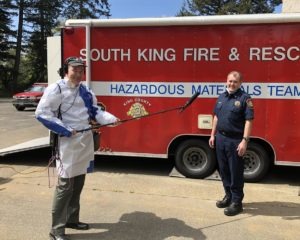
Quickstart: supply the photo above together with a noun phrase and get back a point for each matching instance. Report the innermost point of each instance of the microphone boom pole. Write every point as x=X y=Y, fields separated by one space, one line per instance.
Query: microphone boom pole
x=182 y=108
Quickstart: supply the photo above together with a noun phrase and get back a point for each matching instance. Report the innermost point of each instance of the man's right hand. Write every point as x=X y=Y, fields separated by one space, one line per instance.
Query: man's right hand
x=117 y=122
x=211 y=141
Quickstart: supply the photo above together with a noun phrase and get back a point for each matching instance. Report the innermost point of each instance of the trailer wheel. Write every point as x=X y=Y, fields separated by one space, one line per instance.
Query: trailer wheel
x=195 y=159
x=20 y=108
x=256 y=163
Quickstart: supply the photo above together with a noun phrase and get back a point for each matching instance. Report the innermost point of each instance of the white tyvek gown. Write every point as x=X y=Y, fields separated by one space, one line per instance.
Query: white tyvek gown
x=75 y=151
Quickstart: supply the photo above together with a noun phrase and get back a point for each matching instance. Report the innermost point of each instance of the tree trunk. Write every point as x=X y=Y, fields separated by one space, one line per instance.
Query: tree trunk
x=44 y=41
x=18 y=49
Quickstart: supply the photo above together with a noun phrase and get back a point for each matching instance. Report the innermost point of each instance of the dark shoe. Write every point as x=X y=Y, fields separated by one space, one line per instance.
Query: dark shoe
x=58 y=237
x=78 y=226
x=224 y=203
x=233 y=209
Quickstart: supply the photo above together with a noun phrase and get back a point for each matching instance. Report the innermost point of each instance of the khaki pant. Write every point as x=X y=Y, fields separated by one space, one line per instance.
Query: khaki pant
x=66 y=203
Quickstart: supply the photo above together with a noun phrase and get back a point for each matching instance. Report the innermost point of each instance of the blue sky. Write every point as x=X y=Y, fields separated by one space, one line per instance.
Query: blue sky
x=146 y=8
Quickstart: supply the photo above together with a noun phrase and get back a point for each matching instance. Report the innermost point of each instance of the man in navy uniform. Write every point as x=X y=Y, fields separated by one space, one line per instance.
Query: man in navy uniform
x=231 y=129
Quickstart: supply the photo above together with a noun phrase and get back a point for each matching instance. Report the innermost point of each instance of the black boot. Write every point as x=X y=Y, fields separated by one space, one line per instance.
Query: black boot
x=224 y=203
x=78 y=226
x=233 y=209
x=58 y=237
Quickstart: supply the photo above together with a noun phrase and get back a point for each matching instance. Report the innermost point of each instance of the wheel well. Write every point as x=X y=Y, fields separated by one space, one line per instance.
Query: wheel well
x=266 y=146
x=179 y=139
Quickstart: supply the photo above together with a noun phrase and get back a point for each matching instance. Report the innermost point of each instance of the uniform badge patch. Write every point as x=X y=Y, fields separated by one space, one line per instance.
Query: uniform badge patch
x=237 y=103
x=249 y=103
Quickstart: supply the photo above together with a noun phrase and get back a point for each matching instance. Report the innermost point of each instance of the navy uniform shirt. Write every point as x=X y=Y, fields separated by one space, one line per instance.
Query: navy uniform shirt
x=233 y=110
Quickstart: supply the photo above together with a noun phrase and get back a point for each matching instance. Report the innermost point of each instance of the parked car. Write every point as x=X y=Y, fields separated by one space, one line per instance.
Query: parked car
x=30 y=97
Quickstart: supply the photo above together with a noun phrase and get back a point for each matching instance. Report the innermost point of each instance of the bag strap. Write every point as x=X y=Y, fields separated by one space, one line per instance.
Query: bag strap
x=54 y=136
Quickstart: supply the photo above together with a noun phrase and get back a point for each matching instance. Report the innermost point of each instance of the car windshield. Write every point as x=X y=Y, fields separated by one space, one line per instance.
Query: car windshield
x=36 y=89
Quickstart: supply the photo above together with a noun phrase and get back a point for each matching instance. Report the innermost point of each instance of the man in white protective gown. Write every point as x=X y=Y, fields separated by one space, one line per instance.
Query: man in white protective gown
x=65 y=107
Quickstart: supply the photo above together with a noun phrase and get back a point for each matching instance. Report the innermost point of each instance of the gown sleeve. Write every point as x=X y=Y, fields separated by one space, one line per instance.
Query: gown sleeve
x=47 y=111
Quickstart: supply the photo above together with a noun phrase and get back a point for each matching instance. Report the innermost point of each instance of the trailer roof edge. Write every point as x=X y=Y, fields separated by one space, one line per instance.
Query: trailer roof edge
x=195 y=20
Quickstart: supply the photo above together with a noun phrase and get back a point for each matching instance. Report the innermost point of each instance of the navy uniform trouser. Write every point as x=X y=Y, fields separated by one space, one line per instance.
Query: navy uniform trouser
x=231 y=167
x=66 y=203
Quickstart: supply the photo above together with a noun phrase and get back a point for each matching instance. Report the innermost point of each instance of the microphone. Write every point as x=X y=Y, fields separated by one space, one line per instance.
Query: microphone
x=190 y=101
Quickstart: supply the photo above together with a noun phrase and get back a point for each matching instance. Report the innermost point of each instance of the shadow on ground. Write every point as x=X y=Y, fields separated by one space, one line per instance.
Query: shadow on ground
x=286 y=210
x=136 y=165
x=142 y=225
x=17 y=163
x=34 y=157
x=283 y=175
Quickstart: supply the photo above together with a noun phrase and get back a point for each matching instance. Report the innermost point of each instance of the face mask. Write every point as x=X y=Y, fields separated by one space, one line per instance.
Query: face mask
x=230 y=92
x=70 y=84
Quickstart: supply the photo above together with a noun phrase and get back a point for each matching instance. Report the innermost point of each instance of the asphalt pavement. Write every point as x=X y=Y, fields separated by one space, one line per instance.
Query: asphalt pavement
x=135 y=199
x=17 y=127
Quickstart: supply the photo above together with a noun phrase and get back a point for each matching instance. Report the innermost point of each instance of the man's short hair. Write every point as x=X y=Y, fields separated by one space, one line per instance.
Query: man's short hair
x=236 y=74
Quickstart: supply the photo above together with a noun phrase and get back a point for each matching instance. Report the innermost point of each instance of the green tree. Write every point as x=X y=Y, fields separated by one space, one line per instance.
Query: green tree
x=226 y=7
x=82 y=9
x=17 y=58
x=43 y=23
x=40 y=22
x=23 y=50
x=6 y=42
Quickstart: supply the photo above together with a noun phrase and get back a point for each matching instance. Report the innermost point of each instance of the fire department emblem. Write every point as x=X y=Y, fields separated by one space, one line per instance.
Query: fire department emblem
x=137 y=110
x=249 y=103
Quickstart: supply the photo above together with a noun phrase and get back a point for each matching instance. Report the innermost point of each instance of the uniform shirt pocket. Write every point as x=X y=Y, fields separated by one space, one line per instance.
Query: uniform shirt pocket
x=236 y=112
x=218 y=107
